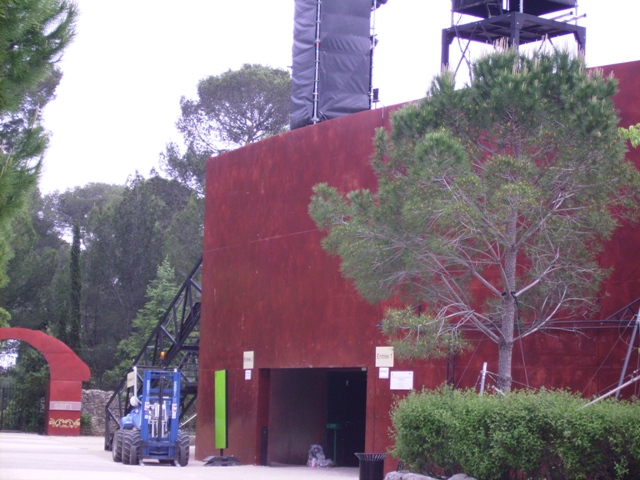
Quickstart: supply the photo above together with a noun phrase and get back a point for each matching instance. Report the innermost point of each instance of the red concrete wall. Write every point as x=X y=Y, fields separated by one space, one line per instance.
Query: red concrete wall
x=270 y=288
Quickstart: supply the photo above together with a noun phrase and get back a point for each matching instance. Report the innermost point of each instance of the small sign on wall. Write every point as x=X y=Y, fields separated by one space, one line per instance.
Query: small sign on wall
x=384 y=356
x=68 y=406
x=247 y=360
x=131 y=379
x=401 y=381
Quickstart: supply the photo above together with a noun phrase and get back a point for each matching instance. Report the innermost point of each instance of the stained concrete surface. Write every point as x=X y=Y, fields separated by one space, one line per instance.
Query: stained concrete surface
x=26 y=456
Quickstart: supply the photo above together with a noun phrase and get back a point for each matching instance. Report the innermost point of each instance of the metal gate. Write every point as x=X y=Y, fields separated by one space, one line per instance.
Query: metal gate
x=6 y=394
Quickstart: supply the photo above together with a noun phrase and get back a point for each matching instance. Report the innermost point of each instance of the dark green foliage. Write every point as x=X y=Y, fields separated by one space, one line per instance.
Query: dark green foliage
x=233 y=109
x=77 y=205
x=239 y=107
x=124 y=247
x=188 y=168
x=29 y=379
x=40 y=261
x=525 y=435
x=85 y=257
x=22 y=142
x=33 y=34
x=75 y=292
x=183 y=238
x=160 y=292
x=125 y=237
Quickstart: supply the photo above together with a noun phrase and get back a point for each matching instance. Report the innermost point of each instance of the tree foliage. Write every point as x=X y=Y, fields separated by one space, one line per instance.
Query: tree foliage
x=39 y=261
x=233 y=109
x=75 y=292
x=493 y=204
x=160 y=292
x=123 y=247
x=183 y=237
x=33 y=34
x=632 y=134
x=76 y=205
x=29 y=379
x=85 y=257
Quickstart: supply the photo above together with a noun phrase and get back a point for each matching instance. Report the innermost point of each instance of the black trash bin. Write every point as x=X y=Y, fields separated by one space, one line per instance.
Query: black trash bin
x=371 y=465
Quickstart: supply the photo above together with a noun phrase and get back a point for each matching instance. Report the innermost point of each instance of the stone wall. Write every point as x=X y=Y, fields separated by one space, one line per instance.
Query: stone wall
x=93 y=406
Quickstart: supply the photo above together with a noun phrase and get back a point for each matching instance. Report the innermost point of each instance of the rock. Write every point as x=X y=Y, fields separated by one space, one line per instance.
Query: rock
x=461 y=476
x=394 y=476
x=416 y=476
x=405 y=475
x=93 y=405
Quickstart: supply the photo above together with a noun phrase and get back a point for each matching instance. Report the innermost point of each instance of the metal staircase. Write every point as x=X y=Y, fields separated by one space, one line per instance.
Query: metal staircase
x=174 y=344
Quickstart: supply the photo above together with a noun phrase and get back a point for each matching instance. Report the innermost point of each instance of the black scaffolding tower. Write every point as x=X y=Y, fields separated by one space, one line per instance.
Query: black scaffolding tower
x=518 y=21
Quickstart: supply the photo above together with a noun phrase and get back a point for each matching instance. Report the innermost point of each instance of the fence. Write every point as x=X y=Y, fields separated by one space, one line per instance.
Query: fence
x=14 y=417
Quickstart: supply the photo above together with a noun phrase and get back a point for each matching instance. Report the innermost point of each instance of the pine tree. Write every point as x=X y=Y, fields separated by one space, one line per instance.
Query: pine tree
x=33 y=34
x=233 y=109
x=75 y=292
x=493 y=204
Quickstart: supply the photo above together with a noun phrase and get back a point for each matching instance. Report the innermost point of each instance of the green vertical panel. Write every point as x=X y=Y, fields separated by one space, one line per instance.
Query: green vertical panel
x=220 y=406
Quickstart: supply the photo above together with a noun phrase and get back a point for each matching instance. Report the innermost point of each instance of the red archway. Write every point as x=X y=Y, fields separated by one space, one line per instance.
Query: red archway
x=66 y=374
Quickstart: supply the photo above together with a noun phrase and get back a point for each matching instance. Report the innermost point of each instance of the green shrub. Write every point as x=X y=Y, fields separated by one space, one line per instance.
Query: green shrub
x=524 y=435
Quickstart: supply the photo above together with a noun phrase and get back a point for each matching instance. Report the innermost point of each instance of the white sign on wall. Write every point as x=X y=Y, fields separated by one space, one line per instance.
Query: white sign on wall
x=401 y=381
x=68 y=406
x=247 y=360
x=384 y=356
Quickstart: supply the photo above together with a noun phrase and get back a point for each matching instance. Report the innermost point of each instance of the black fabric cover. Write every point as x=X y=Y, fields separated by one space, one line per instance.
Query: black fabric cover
x=344 y=59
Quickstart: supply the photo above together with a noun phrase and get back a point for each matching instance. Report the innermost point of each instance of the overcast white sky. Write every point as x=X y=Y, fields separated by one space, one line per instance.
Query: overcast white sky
x=132 y=60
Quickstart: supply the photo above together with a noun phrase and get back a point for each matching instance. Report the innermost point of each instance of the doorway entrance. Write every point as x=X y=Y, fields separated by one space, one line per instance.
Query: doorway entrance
x=346 y=415
x=314 y=406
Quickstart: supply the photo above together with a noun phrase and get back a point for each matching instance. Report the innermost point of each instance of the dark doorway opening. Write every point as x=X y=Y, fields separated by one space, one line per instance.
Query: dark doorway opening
x=346 y=415
x=308 y=406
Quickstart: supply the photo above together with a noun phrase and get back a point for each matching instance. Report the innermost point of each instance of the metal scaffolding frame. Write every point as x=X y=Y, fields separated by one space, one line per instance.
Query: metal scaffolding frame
x=518 y=27
x=174 y=344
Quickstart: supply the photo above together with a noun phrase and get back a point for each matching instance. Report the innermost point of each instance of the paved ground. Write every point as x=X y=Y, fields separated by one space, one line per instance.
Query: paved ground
x=26 y=456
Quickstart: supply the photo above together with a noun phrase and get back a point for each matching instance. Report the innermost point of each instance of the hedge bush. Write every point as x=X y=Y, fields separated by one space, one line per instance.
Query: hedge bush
x=524 y=435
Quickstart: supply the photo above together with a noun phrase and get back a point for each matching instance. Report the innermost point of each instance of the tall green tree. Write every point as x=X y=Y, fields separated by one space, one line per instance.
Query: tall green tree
x=233 y=109
x=75 y=292
x=160 y=293
x=96 y=248
x=33 y=34
x=40 y=261
x=75 y=205
x=125 y=242
x=123 y=251
x=493 y=204
x=183 y=238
